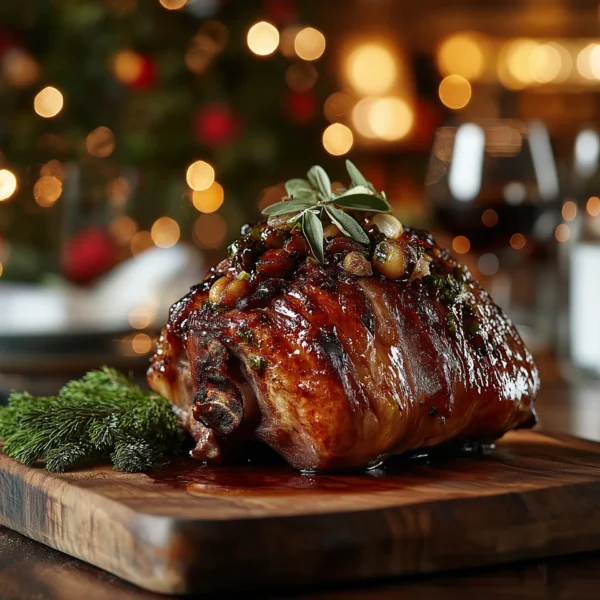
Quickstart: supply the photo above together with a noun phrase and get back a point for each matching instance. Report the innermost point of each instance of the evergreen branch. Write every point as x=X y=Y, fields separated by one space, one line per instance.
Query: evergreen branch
x=103 y=415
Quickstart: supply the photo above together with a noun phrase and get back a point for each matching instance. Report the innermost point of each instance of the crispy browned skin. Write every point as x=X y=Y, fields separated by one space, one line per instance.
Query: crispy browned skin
x=335 y=371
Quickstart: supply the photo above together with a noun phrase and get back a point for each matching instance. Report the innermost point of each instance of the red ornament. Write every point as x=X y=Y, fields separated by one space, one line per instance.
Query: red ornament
x=146 y=77
x=89 y=254
x=216 y=125
x=280 y=11
x=300 y=107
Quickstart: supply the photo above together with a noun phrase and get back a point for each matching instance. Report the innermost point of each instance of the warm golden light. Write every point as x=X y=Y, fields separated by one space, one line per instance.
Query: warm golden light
x=141 y=343
x=200 y=175
x=371 y=69
x=461 y=244
x=47 y=190
x=19 y=68
x=127 y=65
x=569 y=210
x=360 y=117
x=595 y=61
x=48 y=102
x=584 y=61
x=562 y=233
x=545 y=63
x=489 y=217
x=390 y=118
x=1 y=269
x=337 y=139
x=301 y=76
x=100 y=142
x=263 y=38
x=518 y=241
x=593 y=206
x=514 y=68
x=461 y=54
x=141 y=317
x=210 y=200
x=309 y=44
x=55 y=168
x=165 y=232
x=173 y=4
x=209 y=231
x=455 y=92
x=118 y=191
x=8 y=184
x=123 y=228
x=140 y=242
x=288 y=40
x=338 y=106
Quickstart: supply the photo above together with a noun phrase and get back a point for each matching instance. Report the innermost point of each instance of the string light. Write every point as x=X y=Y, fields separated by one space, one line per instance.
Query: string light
x=309 y=43
x=461 y=54
x=173 y=4
x=55 y=168
x=210 y=200
x=338 y=106
x=584 y=61
x=165 y=232
x=518 y=241
x=455 y=92
x=371 y=69
x=461 y=244
x=390 y=119
x=263 y=38
x=569 y=210
x=209 y=231
x=19 y=68
x=545 y=63
x=562 y=233
x=337 y=139
x=123 y=228
x=8 y=184
x=594 y=61
x=489 y=217
x=118 y=191
x=47 y=190
x=513 y=63
x=100 y=142
x=141 y=317
x=200 y=175
x=141 y=343
x=140 y=242
x=48 y=102
x=593 y=206
x=127 y=66
x=360 y=117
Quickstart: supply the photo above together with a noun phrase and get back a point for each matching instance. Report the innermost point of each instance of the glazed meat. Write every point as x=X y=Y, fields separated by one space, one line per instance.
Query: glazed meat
x=375 y=351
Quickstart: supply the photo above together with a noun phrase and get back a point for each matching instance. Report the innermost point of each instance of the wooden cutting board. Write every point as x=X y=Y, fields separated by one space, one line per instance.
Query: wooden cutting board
x=193 y=529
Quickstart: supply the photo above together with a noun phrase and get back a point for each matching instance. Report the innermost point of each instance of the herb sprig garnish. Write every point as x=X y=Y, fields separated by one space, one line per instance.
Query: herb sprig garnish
x=100 y=416
x=310 y=198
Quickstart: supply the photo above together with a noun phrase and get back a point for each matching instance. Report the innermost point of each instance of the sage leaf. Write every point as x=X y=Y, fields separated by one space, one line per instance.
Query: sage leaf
x=295 y=186
x=364 y=202
x=358 y=189
x=289 y=206
x=356 y=176
x=346 y=224
x=313 y=231
x=319 y=178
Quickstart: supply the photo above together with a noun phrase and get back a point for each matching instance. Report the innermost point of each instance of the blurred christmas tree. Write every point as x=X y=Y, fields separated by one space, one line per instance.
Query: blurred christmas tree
x=105 y=103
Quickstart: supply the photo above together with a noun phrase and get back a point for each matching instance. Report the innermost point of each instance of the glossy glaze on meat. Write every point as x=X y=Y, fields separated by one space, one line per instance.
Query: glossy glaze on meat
x=334 y=370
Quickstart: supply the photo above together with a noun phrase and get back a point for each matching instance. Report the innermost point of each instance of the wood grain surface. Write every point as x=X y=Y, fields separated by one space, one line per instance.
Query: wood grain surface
x=204 y=530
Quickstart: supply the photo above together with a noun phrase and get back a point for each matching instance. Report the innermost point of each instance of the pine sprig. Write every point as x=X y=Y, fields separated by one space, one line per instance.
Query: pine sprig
x=103 y=415
x=310 y=200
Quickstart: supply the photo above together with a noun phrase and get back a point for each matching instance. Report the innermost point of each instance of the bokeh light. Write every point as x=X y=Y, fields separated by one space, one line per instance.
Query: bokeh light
x=118 y=191
x=462 y=54
x=173 y=4
x=338 y=106
x=48 y=102
x=371 y=69
x=309 y=43
x=123 y=228
x=8 y=184
x=19 y=68
x=337 y=139
x=455 y=92
x=200 y=175
x=488 y=264
x=593 y=206
x=569 y=210
x=390 y=118
x=209 y=231
x=100 y=142
x=489 y=217
x=141 y=317
x=300 y=76
x=584 y=61
x=141 y=343
x=562 y=233
x=47 y=190
x=128 y=66
x=55 y=168
x=513 y=63
x=545 y=63
x=517 y=241
x=263 y=38
x=461 y=244
x=140 y=242
x=165 y=232
x=287 y=40
x=360 y=117
x=209 y=200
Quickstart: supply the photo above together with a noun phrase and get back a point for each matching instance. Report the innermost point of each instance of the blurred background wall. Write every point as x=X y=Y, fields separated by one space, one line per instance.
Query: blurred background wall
x=137 y=136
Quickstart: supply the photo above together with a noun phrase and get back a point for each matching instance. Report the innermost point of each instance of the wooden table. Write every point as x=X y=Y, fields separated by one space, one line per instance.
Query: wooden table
x=29 y=570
